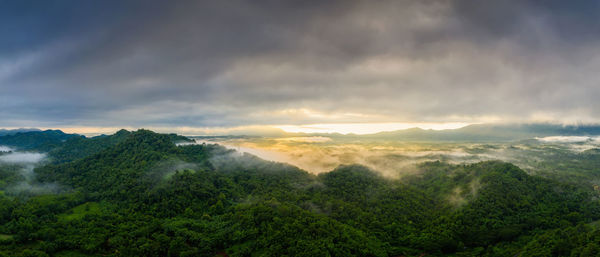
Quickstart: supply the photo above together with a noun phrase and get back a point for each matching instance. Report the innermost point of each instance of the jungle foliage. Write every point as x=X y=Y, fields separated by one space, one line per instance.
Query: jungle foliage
x=139 y=194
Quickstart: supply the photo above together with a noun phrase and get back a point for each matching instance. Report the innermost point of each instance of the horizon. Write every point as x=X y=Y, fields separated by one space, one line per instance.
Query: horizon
x=359 y=129
x=345 y=129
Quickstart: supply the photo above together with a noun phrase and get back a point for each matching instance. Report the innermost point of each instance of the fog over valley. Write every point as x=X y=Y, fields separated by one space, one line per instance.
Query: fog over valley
x=322 y=154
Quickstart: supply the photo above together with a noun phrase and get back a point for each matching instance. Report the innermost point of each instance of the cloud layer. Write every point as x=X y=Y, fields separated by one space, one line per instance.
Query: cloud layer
x=22 y=157
x=234 y=63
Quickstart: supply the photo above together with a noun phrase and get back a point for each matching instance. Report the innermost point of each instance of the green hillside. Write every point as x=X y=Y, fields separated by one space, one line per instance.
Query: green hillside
x=138 y=194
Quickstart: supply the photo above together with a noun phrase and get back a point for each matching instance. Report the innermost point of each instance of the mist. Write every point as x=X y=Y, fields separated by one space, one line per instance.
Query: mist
x=397 y=159
x=22 y=165
x=166 y=169
x=566 y=139
x=22 y=158
x=27 y=187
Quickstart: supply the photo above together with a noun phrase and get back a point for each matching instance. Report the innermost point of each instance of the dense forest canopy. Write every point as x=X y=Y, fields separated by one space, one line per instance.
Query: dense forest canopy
x=143 y=194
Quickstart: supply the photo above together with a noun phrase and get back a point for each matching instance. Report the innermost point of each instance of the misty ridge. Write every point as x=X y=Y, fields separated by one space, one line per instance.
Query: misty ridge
x=215 y=187
x=392 y=154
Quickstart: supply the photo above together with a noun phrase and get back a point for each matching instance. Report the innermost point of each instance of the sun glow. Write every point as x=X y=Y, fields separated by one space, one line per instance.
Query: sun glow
x=366 y=128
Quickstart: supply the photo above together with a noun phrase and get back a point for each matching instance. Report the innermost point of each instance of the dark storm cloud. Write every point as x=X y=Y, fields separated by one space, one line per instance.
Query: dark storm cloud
x=228 y=63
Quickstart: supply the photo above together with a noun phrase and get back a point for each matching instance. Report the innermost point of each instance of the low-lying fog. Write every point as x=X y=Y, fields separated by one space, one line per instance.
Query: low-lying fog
x=322 y=154
x=22 y=157
x=21 y=165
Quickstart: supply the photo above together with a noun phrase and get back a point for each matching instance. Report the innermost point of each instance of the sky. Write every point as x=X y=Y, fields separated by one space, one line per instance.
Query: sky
x=337 y=65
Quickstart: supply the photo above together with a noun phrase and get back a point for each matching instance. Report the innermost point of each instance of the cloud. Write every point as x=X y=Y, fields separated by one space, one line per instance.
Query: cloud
x=235 y=63
x=575 y=143
x=26 y=162
x=35 y=188
x=565 y=139
x=22 y=157
x=166 y=169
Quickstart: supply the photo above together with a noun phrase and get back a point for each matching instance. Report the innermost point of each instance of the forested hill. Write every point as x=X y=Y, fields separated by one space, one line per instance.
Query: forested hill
x=36 y=140
x=139 y=194
x=4 y=132
x=62 y=147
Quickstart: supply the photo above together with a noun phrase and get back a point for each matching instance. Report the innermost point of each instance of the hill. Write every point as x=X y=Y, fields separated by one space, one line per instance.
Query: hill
x=481 y=133
x=5 y=132
x=139 y=194
x=36 y=140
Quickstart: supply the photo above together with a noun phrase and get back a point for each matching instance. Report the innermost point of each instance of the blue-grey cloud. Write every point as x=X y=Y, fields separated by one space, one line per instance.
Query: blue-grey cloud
x=229 y=63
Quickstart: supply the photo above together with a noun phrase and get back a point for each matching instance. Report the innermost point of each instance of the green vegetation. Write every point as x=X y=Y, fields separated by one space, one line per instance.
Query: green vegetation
x=80 y=147
x=138 y=194
x=5 y=237
x=79 y=212
x=36 y=140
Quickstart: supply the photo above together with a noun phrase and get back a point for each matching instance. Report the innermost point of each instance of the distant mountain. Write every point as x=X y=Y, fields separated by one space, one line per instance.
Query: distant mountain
x=532 y=130
x=477 y=133
x=4 y=132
